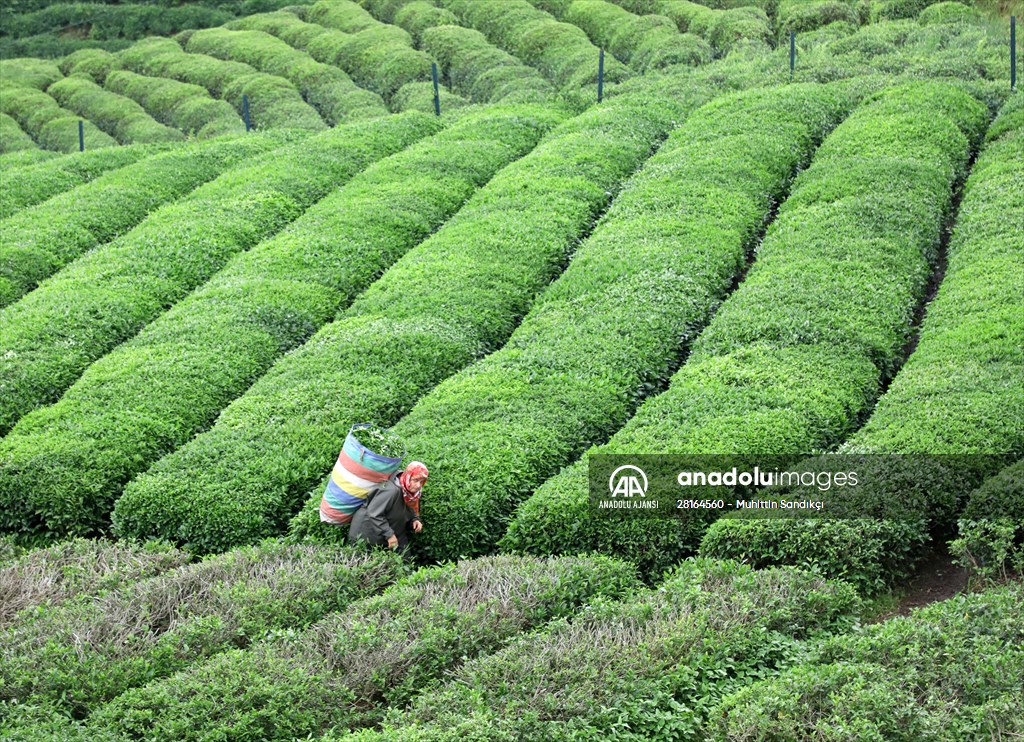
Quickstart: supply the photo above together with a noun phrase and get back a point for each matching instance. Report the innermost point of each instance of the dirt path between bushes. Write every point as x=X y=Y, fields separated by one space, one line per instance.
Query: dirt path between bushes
x=937 y=579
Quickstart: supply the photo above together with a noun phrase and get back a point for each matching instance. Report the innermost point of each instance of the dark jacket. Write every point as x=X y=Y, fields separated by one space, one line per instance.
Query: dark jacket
x=384 y=515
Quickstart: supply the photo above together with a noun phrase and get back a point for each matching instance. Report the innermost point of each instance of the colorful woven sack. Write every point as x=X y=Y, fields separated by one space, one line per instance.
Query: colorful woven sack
x=356 y=472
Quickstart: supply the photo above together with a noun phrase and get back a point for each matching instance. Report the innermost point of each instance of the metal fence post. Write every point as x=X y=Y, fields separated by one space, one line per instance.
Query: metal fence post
x=437 y=93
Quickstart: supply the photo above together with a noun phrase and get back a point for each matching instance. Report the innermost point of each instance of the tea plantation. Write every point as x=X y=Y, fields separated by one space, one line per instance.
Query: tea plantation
x=640 y=231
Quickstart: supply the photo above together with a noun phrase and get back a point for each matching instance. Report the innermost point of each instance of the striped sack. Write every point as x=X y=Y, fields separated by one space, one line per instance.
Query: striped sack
x=355 y=473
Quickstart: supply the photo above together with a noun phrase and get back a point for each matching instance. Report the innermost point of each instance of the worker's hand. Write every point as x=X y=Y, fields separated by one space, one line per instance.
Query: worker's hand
x=417 y=526
x=393 y=542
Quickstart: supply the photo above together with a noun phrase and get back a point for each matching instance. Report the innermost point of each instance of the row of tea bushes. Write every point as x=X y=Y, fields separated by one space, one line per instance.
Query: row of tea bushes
x=559 y=51
x=114 y=291
x=37 y=183
x=30 y=73
x=12 y=138
x=453 y=298
x=50 y=125
x=473 y=66
x=121 y=117
x=801 y=16
x=896 y=9
x=325 y=87
x=186 y=107
x=990 y=538
x=721 y=24
x=645 y=42
x=418 y=16
x=797 y=354
x=951 y=670
x=77 y=569
x=378 y=56
x=648 y=667
x=88 y=650
x=121 y=21
x=613 y=328
x=38 y=241
x=93 y=63
x=419 y=96
x=347 y=669
x=481 y=71
x=274 y=102
x=52 y=46
x=24 y=158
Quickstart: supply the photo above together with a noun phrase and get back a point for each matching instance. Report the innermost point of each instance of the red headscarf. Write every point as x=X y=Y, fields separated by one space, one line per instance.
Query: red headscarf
x=414 y=469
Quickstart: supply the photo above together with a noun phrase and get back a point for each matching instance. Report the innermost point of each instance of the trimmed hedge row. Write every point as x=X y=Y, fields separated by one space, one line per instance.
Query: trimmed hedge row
x=12 y=138
x=952 y=670
x=110 y=294
x=378 y=57
x=53 y=47
x=31 y=73
x=186 y=107
x=801 y=16
x=960 y=54
x=380 y=652
x=644 y=7
x=454 y=297
x=274 y=102
x=889 y=10
x=39 y=241
x=481 y=71
x=649 y=667
x=560 y=51
x=121 y=117
x=45 y=121
x=722 y=28
x=325 y=87
x=419 y=96
x=15 y=8
x=797 y=353
x=615 y=325
x=948 y=12
x=284 y=24
x=24 y=158
x=104 y=22
x=991 y=526
x=79 y=569
x=643 y=42
x=88 y=651
x=343 y=15
x=265 y=302
x=92 y=63
x=418 y=16
x=35 y=184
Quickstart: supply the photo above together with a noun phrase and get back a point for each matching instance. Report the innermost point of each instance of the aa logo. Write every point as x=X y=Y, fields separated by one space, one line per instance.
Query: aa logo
x=628 y=481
